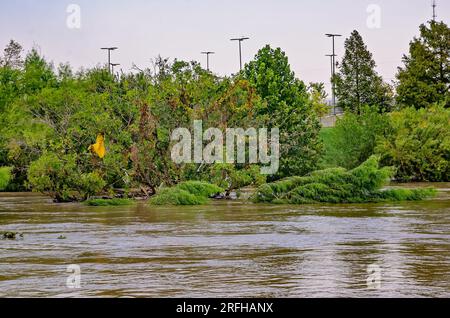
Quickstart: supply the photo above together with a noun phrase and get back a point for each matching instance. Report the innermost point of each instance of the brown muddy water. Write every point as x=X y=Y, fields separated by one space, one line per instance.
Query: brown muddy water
x=226 y=249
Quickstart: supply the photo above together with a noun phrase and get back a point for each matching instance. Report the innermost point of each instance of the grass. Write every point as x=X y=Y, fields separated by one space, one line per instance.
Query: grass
x=186 y=193
x=109 y=202
x=5 y=177
x=338 y=185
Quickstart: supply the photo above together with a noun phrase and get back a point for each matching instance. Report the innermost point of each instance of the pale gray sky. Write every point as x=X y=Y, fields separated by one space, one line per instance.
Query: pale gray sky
x=183 y=28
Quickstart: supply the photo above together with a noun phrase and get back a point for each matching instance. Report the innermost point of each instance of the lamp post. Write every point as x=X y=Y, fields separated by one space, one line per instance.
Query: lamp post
x=333 y=69
x=332 y=56
x=112 y=67
x=109 y=49
x=240 y=40
x=207 y=53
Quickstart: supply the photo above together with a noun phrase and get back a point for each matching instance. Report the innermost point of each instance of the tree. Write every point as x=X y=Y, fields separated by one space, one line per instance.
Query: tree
x=287 y=107
x=354 y=138
x=357 y=82
x=12 y=56
x=318 y=96
x=418 y=144
x=425 y=77
x=38 y=73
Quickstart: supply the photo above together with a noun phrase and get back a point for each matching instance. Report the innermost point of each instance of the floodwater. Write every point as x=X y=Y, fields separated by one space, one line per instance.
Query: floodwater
x=226 y=249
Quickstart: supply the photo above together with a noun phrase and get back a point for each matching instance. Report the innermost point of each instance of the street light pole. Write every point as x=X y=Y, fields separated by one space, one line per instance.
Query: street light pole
x=207 y=58
x=332 y=56
x=241 y=39
x=333 y=69
x=112 y=67
x=109 y=49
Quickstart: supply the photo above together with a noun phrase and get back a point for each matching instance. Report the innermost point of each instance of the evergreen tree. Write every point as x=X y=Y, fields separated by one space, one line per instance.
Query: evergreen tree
x=425 y=78
x=357 y=82
x=12 y=56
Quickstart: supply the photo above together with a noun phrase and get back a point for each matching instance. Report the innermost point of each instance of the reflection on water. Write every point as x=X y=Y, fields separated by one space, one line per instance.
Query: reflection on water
x=226 y=249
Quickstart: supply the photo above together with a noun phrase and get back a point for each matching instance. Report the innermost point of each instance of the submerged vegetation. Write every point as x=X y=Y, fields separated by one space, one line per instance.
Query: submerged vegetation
x=108 y=202
x=186 y=193
x=11 y=236
x=338 y=185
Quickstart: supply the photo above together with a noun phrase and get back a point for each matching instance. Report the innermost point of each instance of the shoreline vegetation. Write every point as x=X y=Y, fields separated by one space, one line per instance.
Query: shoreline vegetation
x=337 y=185
x=105 y=139
x=109 y=202
x=186 y=193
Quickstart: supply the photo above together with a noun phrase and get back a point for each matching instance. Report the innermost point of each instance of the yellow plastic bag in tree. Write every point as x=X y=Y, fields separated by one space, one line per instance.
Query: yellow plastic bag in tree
x=99 y=147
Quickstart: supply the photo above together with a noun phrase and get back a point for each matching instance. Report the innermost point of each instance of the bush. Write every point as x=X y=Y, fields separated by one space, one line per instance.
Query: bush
x=199 y=188
x=187 y=193
x=338 y=185
x=90 y=184
x=109 y=202
x=418 y=144
x=5 y=177
x=176 y=196
x=53 y=176
x=228 y=176
x=354 y=138
x=60 y=179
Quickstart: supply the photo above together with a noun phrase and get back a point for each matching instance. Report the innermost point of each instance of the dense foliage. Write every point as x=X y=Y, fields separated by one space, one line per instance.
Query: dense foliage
x=186 y=193
x=51 y=121
x=338 y=185
x=357 y=82
x=425 y=78
x=288 y=107
x=418 y=144
x=353 y=140
x=5 y=177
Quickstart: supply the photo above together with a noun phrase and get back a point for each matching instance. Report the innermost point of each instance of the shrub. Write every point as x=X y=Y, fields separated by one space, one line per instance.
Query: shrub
x=228 y=176
x=354 y=138
x=186 y=193
x=199 y=188
x=406 y=194
x=5 y=177
x=176 y=196
x=338 y=185
x=418 y=144
x=90 y=184
x=59 y=178
x=108 y=202
x=53 y=175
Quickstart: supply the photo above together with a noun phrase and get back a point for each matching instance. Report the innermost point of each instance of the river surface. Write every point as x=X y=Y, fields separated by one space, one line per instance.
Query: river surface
x=226 y=249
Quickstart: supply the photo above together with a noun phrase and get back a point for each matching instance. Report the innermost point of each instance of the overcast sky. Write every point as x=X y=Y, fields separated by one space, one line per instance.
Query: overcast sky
x=142 y=29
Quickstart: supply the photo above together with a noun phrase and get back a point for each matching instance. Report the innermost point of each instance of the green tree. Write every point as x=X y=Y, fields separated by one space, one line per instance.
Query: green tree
x=425 y=77
x=318 y=96
x=357 y=82
x=287 y=107
x=418 y=144
x=38 y=73
x=12 y=56
x=354 y=138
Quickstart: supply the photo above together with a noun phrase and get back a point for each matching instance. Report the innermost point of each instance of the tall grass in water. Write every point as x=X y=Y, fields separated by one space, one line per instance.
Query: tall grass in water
x=186 y=193
x=108 y=202
x=338 y=185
